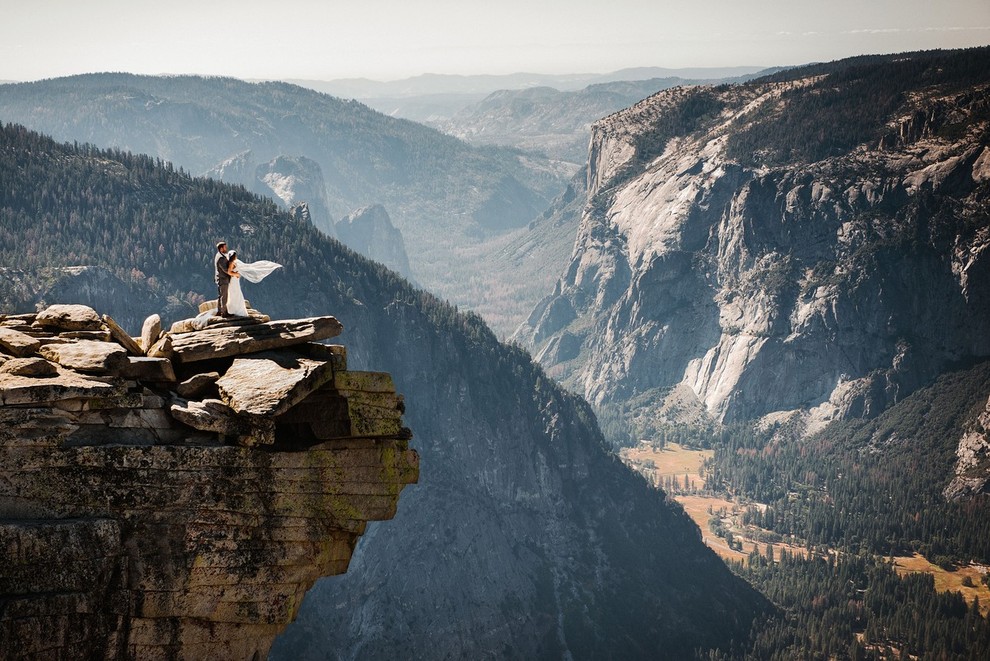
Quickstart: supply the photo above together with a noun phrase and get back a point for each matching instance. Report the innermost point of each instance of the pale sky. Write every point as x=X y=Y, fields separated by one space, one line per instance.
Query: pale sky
x=390 y=39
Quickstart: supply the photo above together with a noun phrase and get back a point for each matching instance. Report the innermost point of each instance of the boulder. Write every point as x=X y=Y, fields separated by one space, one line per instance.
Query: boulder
x=17 y=343
x=88 y=356
x=271 y=383
x=197 y=385
x=234 y=341
x=212 y=415
x=151 y=329
x=36 y=367
x=162 y=348
x=69 y=317
x=122 y=337
x=146 y=368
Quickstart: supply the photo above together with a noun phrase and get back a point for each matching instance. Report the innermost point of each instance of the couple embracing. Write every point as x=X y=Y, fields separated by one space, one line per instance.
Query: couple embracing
x=227 y=273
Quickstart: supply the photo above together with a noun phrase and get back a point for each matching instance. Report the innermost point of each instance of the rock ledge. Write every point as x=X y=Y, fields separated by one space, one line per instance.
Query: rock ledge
x=140 y=524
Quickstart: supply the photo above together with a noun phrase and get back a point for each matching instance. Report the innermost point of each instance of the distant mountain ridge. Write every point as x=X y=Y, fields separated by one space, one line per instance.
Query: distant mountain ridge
x=524 y=536
x=364 y=88
x=445 y=196
x=433 y=98
x=815 y=240
x=558 y=122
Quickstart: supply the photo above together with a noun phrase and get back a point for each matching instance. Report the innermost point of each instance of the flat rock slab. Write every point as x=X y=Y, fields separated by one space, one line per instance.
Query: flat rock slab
x=236 y=341
x=88 y=356
x=69 y=317
x=270 y=383
x=122 y=337
x=15 y=389
x=197 y=385
x=37 y=367
x=17 y=343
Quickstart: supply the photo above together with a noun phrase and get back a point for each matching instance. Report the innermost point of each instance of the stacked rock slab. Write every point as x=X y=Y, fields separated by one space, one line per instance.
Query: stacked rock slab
x=138 y=524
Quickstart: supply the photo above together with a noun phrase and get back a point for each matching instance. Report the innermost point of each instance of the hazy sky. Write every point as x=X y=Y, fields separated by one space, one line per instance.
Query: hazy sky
x=388 y=39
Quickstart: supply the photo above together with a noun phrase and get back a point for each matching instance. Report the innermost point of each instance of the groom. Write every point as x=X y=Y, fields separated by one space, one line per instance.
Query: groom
x=221 y=277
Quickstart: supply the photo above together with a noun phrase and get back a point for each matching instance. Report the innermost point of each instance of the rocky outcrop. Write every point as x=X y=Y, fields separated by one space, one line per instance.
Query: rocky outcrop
x=834 y=283
x=972 y=471
x=294 y=180
x=141 y=523
x=370 y=231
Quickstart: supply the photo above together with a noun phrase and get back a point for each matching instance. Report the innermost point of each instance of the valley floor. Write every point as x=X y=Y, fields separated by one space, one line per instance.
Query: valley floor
x=679 y=471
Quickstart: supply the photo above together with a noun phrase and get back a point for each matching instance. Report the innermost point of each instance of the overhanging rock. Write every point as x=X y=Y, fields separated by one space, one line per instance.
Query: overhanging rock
x=151 y=525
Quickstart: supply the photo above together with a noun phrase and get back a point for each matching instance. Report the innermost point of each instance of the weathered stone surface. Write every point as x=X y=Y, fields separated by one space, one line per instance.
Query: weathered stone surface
x=17 y=390
x=333 y=353
x=138 y=529
x=36 y=367
x=88 y=356
x=270 y=383
x=330 y=414
x=69 y=317
x=197 y=385
x=17 y=343
x=146 y=368
x=151 y=329
x=95 y=335
x=364 y=381
x=971 y=475
x=214 y=415
x=220 y=546
x=122 y=337
x=234 y=341
x=162 y=348
x=35 y=426
x=63 y=589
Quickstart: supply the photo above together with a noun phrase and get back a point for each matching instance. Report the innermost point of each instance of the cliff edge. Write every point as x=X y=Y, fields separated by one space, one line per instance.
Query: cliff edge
x=175 y=496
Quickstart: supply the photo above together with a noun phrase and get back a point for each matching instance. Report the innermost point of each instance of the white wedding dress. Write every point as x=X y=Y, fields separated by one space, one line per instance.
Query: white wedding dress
x=254 y=272
x=236 y=305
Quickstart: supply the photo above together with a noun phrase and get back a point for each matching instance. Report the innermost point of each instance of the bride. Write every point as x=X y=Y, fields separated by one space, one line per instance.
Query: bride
x=253 y=271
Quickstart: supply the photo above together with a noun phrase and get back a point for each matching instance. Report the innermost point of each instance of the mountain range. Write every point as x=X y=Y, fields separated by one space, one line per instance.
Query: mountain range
x=814 y=241
x=447 y=198
x=558 y=122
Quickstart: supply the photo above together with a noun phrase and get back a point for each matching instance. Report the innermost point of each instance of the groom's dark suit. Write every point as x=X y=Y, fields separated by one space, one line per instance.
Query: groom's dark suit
x=223 y=281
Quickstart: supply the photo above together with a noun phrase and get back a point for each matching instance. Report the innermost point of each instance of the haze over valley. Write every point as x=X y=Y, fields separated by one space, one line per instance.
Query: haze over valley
x=675 y=348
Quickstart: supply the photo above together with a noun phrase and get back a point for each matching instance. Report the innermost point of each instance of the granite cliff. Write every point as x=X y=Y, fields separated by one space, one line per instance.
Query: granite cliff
x=817 y=240
x=175 y=496
x=369 y=231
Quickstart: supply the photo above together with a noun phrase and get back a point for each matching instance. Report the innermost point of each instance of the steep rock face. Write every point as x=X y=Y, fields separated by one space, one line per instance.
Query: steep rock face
x=295 y=180
x=370 y=231
x=836 y=283
x=136 y=531
x=972 y=469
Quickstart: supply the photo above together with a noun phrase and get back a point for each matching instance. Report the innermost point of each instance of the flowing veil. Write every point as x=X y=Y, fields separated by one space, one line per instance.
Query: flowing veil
x=257 y=271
